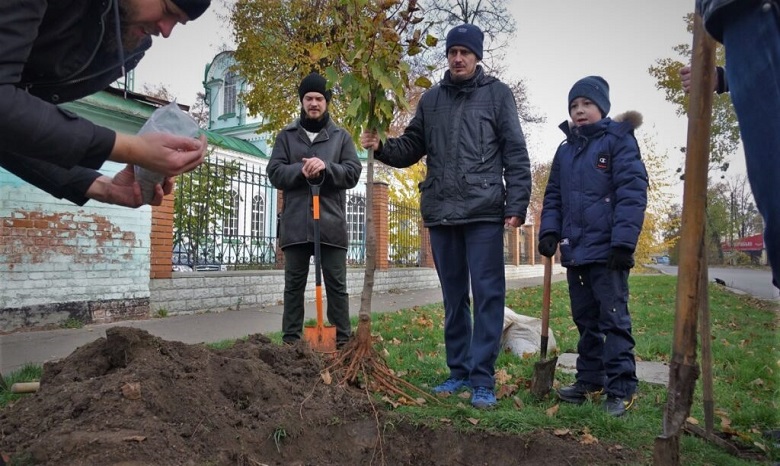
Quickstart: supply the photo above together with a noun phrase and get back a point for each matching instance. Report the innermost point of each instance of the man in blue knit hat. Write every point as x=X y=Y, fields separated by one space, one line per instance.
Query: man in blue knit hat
x=478 y=183
x=55 y=52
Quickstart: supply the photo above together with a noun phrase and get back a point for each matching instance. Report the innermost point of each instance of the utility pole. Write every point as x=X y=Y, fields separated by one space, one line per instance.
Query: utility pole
x=732 y=222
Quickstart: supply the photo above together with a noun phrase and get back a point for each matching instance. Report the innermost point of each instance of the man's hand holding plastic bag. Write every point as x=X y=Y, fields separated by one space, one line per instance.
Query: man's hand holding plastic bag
x=167 y=145
x=123 y=189
x=166 y=154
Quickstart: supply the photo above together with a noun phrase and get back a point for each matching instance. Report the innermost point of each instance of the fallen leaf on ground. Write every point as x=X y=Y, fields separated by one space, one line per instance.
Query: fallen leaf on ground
x=502 y=376
x=472 y=420
x=588 y=439
x=131 y=390
x=504 y=391
x=561 y=432
x=392 y=403
x=552 y=411
x=327 y=379
x=758 y=382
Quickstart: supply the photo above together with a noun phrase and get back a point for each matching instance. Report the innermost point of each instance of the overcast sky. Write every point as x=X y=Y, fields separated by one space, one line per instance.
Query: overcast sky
x=557 y=42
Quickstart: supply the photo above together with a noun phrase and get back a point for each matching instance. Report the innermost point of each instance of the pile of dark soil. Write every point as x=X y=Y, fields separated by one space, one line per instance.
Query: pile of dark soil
x=134 y=399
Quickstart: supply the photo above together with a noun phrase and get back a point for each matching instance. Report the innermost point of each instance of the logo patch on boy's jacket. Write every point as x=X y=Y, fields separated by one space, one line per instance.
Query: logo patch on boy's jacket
x=603 y=162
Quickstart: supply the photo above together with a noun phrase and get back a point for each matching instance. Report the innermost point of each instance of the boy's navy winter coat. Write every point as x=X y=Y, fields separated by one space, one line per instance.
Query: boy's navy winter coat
x=605 y=203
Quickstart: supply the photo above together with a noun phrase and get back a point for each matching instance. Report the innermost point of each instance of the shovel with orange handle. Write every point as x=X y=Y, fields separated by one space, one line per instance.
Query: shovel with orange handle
x=320 y=337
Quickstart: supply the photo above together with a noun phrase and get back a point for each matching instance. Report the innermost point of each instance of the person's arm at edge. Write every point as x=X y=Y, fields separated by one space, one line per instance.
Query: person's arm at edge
x=514 y=153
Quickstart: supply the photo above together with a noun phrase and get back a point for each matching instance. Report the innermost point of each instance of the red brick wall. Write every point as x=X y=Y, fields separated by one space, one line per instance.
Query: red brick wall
x=161 y=238
x=381 y=226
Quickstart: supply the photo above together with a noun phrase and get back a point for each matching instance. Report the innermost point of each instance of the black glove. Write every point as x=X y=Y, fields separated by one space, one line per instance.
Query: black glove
x=548 y=244
x=620 y=259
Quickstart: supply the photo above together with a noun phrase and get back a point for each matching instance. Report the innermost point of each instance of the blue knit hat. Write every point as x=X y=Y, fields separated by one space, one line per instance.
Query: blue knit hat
x=466 y=35
x=192 y=8
x=593 y=88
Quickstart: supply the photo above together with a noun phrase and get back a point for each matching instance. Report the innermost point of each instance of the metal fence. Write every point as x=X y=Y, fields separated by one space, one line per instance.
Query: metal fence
x=405 y=235
x=225 y=214
x=225 y=218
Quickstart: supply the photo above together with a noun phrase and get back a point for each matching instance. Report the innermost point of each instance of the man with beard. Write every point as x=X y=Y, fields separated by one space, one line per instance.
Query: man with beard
x=55 y=52
x=313 y=150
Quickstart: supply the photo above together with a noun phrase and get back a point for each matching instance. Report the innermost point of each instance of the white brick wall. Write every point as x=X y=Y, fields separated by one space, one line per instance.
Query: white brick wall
x=52 y=251
x=188 y=293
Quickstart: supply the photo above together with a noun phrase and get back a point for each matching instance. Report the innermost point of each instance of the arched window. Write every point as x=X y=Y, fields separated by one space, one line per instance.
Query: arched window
x=258 y=216
x=356 y=219
x=230 y=227
x=229 y=95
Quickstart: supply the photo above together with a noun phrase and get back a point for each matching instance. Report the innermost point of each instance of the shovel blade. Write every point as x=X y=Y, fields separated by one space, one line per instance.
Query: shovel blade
x=544 y=374
x=321 y=338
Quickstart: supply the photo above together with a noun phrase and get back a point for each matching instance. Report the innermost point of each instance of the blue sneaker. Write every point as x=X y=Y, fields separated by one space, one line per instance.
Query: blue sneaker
x=451 y=385
x=483 y=398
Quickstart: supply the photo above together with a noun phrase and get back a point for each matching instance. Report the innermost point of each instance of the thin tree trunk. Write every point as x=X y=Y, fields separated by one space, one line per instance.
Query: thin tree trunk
x=683 y=368
x=364 y=324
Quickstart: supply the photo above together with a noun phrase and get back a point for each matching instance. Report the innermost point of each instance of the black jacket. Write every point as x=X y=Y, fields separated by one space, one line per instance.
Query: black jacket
x=335 y=147
x=53 y=52
x=477 y=167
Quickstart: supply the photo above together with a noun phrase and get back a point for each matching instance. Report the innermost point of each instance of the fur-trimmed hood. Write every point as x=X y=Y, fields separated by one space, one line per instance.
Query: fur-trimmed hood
x=624 y=122
x=632 y=117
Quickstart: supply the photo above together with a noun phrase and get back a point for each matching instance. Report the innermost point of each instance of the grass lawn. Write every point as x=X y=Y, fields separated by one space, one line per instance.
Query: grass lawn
x=746 y=356
x=745 y=353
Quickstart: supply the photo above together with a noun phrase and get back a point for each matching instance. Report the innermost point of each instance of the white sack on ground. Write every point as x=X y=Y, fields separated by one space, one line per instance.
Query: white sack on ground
x=523 y=334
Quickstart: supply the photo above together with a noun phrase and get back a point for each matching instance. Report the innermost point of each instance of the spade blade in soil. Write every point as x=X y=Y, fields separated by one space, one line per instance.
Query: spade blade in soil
x=321 y=338
x=542 y=381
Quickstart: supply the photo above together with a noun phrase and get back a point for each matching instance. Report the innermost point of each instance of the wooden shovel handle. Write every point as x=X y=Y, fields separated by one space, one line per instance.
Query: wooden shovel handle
x=546 y=295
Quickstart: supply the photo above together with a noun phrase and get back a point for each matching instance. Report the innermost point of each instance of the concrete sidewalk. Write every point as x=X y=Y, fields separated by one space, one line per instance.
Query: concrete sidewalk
x=37 y=347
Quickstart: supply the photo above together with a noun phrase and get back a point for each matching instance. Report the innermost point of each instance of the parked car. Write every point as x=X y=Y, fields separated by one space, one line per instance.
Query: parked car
x=182 y=262
x=662 y=260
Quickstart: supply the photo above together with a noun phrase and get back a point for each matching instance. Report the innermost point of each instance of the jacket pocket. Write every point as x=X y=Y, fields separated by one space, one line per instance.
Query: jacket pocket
x=428 y=198
x=485 y=195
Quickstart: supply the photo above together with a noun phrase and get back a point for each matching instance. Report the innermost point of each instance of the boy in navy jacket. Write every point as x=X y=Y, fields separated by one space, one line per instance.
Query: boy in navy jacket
x=594 y=206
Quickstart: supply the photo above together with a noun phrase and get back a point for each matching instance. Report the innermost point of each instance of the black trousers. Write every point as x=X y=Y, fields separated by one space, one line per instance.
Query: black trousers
x=296 y=273
x=599 y=307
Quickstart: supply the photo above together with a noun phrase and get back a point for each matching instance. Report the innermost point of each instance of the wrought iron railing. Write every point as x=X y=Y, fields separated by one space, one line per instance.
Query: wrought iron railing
x=225 y=218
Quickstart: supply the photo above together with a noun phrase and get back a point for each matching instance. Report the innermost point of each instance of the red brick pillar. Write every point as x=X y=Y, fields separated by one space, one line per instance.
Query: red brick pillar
x=162 y=239
x=513 y=245
x=379 y=206
x=279 y=207
x=425 y=247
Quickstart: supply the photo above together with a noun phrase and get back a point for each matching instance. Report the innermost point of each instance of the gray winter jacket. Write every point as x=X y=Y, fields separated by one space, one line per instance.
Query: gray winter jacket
x=477 y=166
x=50 y=53
x=335 y=147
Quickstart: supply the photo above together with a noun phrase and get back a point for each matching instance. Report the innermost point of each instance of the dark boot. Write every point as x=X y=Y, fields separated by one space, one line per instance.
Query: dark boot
x=579 y=392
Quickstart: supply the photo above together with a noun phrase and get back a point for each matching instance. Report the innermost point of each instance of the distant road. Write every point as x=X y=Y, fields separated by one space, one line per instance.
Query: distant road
x=755 y=282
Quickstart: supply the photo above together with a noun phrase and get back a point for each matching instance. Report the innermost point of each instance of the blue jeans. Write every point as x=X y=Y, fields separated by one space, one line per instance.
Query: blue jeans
x=599 y=307
x=752 y=41
x=473 y=251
